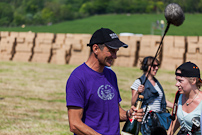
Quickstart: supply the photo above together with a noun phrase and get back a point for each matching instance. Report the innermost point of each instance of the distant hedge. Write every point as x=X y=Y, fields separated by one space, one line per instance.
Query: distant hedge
x=43 y=12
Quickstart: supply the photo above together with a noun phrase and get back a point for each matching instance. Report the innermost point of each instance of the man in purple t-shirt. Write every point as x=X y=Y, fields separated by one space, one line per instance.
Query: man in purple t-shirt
x=92 y=93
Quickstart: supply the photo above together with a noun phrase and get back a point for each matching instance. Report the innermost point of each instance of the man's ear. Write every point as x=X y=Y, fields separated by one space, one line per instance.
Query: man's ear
x=95 y=48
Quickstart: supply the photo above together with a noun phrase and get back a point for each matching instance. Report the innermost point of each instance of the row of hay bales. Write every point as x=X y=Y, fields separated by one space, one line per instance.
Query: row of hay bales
x=66 y=48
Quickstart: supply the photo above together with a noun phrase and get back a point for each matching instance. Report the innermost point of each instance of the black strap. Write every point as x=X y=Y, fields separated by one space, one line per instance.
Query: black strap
x=140 y=80
x=175 y=105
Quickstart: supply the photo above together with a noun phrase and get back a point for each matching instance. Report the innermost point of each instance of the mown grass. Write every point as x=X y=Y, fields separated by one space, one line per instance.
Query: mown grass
x=32 y=96
x=134 y=23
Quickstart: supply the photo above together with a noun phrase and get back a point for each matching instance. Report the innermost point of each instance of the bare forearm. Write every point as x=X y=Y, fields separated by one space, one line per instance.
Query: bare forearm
x=122 y=114
x=77 y=126
x=134 y=97
x=135 y=94
x=83 y=129
x=169 y=104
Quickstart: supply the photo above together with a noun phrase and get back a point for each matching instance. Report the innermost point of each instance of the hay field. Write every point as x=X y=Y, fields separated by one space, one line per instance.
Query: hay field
x=32 y=96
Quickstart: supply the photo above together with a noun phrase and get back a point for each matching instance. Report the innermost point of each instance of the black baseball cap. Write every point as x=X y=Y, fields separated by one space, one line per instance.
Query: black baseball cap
x=188 y=69
x=107 y=37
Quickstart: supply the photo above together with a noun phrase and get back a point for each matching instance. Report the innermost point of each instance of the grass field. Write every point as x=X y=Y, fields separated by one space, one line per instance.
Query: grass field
x=32 y=96
x=134 y=23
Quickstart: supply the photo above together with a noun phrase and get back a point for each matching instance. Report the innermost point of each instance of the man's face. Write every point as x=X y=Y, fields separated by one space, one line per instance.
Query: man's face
x=106 y=56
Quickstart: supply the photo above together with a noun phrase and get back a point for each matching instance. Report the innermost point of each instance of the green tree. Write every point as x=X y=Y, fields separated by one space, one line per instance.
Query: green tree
x=140 y=6
x=159 y=7
x=47 y=15
x=150 y=7
x=66 y=12
x=76 y=4
x=44 y=11
x=54 y=7
x=155 y=7
x=199 y=8
x=33 y=6
x=6 y=14
x=120 y=6
x=87 y=9
x=37 y=18
x=100 y=6
x=19 y=19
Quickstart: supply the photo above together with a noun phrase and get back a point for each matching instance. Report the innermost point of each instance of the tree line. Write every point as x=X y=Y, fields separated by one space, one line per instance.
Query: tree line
x=42 y=12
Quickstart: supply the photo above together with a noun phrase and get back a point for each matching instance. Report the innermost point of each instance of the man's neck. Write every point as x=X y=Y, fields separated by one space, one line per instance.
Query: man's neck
x=94 y=64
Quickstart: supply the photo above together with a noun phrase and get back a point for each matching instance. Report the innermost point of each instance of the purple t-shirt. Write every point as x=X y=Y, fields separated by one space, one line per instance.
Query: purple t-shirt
x=98 y=94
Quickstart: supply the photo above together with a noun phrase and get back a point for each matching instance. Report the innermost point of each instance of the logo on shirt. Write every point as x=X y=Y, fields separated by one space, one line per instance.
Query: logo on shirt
x=106 y=92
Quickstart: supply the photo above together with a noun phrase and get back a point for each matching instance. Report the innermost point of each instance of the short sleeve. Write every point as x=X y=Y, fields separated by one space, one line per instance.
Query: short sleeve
x=74 y=92
x=136 y=84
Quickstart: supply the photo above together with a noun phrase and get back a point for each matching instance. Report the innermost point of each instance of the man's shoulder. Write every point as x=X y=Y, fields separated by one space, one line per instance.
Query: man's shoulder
x=79 y=68
x=78 y=71
x=109 y=72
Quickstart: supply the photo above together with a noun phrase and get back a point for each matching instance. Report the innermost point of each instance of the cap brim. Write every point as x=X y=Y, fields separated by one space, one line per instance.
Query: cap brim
x=116 y=44
x=179 y=74
x=90 y=44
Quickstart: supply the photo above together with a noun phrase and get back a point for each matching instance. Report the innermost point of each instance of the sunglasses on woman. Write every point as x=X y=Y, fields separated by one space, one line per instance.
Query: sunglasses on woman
x=154 y=66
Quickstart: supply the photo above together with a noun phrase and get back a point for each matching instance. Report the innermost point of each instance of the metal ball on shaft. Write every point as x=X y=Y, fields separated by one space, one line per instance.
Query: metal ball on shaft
x=174 y=14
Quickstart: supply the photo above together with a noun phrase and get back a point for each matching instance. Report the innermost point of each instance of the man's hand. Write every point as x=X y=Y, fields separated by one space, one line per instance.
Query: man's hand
x=138 y=114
